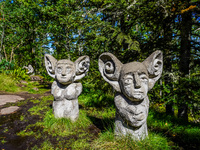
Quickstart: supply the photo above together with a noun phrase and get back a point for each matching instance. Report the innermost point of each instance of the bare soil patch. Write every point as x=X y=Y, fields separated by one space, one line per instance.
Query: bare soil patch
x=11 y=124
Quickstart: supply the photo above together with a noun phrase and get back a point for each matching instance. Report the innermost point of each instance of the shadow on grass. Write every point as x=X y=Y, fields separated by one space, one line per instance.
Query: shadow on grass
x=12 y=124
x=185 y=134
x=103 y=124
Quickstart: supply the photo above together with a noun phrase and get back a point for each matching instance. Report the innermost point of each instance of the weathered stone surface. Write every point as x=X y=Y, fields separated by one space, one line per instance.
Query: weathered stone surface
x=132 y=81
x=35 y=78
x=30 y=69
x=65 y=89
x=9 y=110
x=9 y=99
x=23 y=82
x=35 y=89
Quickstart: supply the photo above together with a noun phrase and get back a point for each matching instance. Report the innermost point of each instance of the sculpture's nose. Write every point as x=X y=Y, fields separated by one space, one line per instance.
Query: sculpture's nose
x=137 y=83
x=64 y=71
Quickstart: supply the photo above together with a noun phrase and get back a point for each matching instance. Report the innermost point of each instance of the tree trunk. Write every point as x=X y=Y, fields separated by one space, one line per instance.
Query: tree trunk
x=2 y=35
x=184 y=61
x=167 y=26
x=168 y=81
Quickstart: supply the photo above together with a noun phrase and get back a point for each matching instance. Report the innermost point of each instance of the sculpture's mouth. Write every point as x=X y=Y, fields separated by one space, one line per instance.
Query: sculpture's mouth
x=138 y=92
x=139 y=117
x=66 y=78
x=137 y=96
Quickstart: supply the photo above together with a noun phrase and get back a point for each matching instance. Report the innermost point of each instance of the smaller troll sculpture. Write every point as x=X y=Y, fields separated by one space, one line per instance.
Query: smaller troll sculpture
x=65 y=89
x=131 y=81
x=30 y=69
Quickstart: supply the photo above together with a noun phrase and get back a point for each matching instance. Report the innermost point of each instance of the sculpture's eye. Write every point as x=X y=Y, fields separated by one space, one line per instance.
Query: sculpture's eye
x=128 y=79
x=59 y=69
x=68 y=69
x=143 y=78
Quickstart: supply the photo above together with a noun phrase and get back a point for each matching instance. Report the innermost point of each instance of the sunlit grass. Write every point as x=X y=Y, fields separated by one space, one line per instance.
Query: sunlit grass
x=35 y=87
x=107 y=140
x=45 y=145
x=8 y=84
x=41 y=106
x=63 y=126
x=81 y=144
x=101 y=113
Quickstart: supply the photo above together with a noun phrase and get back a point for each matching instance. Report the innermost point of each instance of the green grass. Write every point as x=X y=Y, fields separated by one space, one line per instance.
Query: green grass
x=107 y=140
x=162 y=130
x=96 y=98
x=78 y=133
x=8 y=84
x=174 y=128
x=41 y=105
x=64 y=127
x=35 y=87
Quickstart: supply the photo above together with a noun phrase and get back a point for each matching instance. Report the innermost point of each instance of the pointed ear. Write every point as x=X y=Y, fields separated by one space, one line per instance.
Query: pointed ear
x=82 y=66
x=154 y=64
x=50 y=64
x=110 y=67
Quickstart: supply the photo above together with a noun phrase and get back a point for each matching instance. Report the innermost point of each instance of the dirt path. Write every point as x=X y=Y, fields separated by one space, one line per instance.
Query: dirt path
x=6 y=98
x=13 y=123
x=10 y=122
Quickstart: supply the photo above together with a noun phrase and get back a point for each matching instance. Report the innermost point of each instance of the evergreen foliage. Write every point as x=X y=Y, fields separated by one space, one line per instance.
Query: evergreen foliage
x=131 y=30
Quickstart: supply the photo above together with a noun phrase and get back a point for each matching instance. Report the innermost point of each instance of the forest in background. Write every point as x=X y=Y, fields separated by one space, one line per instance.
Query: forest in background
x=130 y=29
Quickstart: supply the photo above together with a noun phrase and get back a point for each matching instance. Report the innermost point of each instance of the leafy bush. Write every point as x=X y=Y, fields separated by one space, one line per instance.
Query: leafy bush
x=19 y=74
x=96 y=98
x=6 y=65
x=8 y=68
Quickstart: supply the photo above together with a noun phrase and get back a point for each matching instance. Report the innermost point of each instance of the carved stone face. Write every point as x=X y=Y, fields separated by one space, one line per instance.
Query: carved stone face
x=65 y=71
x=134 y=81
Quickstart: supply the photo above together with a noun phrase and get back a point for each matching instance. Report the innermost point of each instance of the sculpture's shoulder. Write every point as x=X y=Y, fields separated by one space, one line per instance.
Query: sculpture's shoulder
x=75 y=85
x=68 y=92
x=73 y=90
x=53 y=86
x=120 y=100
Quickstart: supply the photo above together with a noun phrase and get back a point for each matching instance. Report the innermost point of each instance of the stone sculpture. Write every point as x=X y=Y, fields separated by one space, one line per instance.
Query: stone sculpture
x=131 y=81
x=65 y=89
x=30 y=69
x=31 y=73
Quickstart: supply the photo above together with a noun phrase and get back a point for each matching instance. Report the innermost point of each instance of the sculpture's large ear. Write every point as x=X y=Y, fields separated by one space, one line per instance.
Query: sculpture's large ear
x=154 y=64
x=82 y=66
x=50 y=64
x=110 y=67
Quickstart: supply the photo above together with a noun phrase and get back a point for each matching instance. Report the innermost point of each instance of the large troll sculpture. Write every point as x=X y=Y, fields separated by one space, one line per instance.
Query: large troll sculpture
x=131 y=81
x=65 y=89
